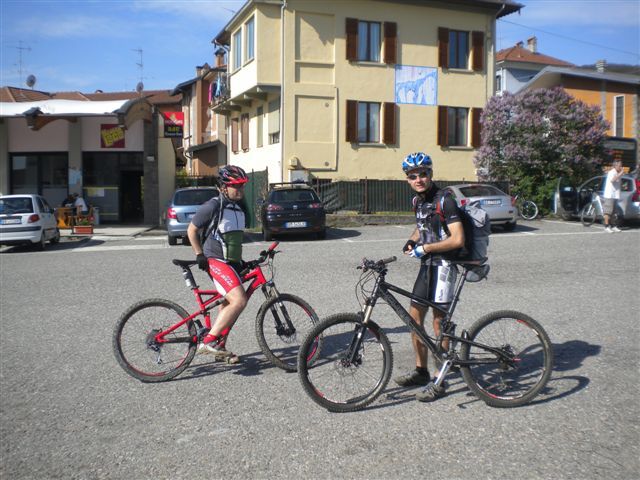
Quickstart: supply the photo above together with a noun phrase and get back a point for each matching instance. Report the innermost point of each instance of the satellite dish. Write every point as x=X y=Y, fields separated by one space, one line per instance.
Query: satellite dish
x=139 y=87
x=31 y=81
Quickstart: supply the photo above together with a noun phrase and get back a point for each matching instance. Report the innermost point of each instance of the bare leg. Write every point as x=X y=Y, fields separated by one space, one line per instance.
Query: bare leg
x=418 y=314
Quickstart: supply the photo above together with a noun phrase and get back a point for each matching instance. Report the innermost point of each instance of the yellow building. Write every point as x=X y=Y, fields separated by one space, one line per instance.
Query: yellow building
x=344 y=90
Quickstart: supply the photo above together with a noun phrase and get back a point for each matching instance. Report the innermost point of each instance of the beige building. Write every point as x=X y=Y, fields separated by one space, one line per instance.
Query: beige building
x=343 y=90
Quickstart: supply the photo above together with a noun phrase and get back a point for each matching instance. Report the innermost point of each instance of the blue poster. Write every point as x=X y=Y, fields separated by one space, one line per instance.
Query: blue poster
x=416 y=85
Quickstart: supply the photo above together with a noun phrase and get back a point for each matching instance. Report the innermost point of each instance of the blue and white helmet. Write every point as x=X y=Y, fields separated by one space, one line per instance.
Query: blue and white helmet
x=415 y=161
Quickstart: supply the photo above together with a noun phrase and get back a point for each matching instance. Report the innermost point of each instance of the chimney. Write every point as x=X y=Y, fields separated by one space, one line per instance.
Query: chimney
x=532 y=44
x=219 y=53
x=519 y=44
x=601 y=65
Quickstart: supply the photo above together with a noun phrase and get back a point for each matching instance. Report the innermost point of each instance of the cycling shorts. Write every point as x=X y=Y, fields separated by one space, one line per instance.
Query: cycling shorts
x=224 y=276
x=436 y=283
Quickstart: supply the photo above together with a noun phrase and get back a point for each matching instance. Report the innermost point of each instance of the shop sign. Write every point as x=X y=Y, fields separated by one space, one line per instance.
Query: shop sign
x=173 y=123
x=111 y=136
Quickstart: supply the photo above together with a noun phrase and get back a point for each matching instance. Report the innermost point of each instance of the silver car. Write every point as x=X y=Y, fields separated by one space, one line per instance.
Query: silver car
x=182 y=208
x=570 y=200
x=27 y=219
x=495 y=202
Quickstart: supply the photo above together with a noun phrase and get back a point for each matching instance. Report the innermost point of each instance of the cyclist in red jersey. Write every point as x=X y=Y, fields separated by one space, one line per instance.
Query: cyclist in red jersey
x=221 y=256
x=434 y=242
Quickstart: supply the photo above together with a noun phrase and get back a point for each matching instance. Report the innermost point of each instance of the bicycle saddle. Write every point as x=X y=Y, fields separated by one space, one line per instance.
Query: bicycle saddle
x=183 y=263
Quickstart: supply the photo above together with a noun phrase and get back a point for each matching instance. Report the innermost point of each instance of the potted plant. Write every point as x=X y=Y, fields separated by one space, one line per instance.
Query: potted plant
x=83 y=226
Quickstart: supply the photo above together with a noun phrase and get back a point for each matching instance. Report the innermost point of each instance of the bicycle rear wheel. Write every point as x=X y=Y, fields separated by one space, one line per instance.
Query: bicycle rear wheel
x=528 y=210
x=520 y=371
x=334 y=375
x=281 y=325
x=136 y=349
x=588 y=215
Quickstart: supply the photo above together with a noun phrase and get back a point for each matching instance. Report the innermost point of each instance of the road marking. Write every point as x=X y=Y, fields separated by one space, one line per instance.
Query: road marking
x=563 y=222
x=103 y=248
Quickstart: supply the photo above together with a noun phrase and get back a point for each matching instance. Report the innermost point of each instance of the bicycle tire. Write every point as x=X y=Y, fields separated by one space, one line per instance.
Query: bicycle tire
x=528 y=210
x=588 y=215
x=501 y=384
x=153 y=363
x=279 y=345
x=329 y=379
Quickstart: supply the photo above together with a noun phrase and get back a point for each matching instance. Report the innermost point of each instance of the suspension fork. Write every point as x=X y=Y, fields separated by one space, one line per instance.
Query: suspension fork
x=284 y=325
x=367 y=311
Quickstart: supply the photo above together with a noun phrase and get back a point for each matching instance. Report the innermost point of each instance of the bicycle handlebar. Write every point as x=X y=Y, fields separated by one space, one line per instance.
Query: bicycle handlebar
x=377 y=265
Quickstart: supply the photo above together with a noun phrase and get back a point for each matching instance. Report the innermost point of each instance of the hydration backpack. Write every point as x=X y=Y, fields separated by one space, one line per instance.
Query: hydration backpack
x=477 y=228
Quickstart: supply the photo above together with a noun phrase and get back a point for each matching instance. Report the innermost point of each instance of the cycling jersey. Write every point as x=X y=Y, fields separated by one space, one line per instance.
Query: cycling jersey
x=429 y=223
x=225 y=241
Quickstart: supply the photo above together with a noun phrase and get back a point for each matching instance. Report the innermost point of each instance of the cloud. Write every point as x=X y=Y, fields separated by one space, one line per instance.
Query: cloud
x=616 y=13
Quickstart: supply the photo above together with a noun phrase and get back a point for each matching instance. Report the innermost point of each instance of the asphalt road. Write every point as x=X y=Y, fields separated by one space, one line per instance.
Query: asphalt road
x=69 y=411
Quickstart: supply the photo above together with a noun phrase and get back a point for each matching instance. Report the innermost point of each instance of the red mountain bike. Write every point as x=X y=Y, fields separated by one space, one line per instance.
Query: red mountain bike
x=156 y=339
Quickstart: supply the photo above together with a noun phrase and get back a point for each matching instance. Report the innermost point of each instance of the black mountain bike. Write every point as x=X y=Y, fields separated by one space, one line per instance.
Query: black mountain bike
x=345 y=361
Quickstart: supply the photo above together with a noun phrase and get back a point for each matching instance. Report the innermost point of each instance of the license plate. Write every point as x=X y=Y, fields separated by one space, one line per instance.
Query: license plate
x=295 y=224
x=10 y=221
x=492 y=202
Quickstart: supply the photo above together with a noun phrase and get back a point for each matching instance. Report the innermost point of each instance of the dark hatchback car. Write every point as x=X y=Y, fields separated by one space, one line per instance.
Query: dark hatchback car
x=292 y=208
x=182 y=208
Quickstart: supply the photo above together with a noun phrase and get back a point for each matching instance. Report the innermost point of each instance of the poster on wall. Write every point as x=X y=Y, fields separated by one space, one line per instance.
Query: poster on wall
x=173 y=123
x=416 y=85
x=111 y=136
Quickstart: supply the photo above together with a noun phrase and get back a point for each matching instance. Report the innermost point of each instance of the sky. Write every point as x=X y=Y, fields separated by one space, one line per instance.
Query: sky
x=89 y=45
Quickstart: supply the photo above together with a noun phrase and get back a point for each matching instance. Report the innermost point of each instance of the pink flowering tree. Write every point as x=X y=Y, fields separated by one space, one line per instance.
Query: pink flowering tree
x=533 y=138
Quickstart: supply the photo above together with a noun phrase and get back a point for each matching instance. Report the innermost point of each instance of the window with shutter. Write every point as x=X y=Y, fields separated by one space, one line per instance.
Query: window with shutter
x=352 y=39
x=390 y=42
x=453 y=126
x=477 y=41
x=443 y=47
x=389 y=125
x=352 y=121
x=442 y=126
x=476 y=128
x=234 y=135
x=245 y=131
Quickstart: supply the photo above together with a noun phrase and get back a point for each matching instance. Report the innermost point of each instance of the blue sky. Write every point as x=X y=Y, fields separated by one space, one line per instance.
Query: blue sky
x=88 y=45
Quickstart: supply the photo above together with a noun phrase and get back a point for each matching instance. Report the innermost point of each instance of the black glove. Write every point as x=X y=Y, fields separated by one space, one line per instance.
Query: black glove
x=410 y=243
x=203 y=263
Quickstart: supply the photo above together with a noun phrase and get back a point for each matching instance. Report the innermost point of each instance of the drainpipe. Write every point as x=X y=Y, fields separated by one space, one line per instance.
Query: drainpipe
x=282 y=46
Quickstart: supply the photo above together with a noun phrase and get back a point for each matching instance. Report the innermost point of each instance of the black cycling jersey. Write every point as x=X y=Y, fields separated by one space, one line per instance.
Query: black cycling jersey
x=429 y=222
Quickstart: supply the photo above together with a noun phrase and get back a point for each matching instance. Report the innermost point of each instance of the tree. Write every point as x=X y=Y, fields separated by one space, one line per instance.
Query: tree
x=533 y=138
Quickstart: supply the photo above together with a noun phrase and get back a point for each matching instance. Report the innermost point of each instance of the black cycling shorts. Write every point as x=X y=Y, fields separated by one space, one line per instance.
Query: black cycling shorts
x=436 y=282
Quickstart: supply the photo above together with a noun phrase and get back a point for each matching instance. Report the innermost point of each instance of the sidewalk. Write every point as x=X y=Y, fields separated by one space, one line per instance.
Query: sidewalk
x=115 y=231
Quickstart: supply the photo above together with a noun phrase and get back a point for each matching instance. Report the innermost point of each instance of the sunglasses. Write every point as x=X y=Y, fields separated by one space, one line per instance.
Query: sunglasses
x=414 y=176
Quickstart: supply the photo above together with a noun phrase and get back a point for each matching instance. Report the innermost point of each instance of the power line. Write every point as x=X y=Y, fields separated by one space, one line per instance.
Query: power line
x=635 y=54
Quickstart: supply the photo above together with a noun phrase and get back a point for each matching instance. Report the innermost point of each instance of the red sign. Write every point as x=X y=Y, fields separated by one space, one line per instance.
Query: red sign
x=173 y=123
x=111 y=136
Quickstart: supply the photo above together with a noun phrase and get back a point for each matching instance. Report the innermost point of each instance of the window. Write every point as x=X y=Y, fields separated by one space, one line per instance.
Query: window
x=369 y=41
x=619 y=117
x=365 y=42
x=458 y=49
x=498 y=83
x=274 y=121
x=454 y=50
x=366 y=121
x=244 y=120
x=248 y=35
x=453 y=126
x=237 y=50
x=260 y=122
x=234 y=135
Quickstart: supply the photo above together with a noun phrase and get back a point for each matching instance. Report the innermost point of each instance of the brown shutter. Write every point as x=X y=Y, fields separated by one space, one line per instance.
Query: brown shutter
x=352 y=121
x=390 y=42
x=476 y=139
x=477 y=42
x=245 y=132
x=443 y=47
x=352 y=39
x=234 y=135
x=389 y=129
x=442 y=126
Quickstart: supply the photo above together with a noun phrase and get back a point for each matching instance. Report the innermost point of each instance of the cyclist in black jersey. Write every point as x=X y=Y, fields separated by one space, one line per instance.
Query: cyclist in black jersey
x=434 y=241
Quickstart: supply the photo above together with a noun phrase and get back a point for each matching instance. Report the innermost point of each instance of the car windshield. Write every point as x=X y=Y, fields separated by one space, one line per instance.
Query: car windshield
x=284 y=196
x=9 y=206
x=480 y=191
x=194 y=197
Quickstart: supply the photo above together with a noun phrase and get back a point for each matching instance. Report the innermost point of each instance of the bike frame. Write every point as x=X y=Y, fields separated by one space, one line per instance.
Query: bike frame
x=255 y=276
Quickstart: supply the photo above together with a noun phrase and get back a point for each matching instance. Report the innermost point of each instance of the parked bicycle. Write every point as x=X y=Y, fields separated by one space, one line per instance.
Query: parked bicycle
x=593 y=211
x=527 y=208
x=345 y=361
x=155 y=340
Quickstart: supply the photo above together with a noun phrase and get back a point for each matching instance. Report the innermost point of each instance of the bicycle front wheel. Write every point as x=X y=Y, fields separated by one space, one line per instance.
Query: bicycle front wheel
x=282 y=323
x=588 y=215
x=518 y=368
x=136 y=349
x=343 y=364
x=529 y=210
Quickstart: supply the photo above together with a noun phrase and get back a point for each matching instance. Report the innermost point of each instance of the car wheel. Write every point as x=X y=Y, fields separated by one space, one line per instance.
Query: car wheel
x=42 y=243
x=322 y=234
x=267 y=235
x=56 y=238
x=509 y=226
x=172 y=240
